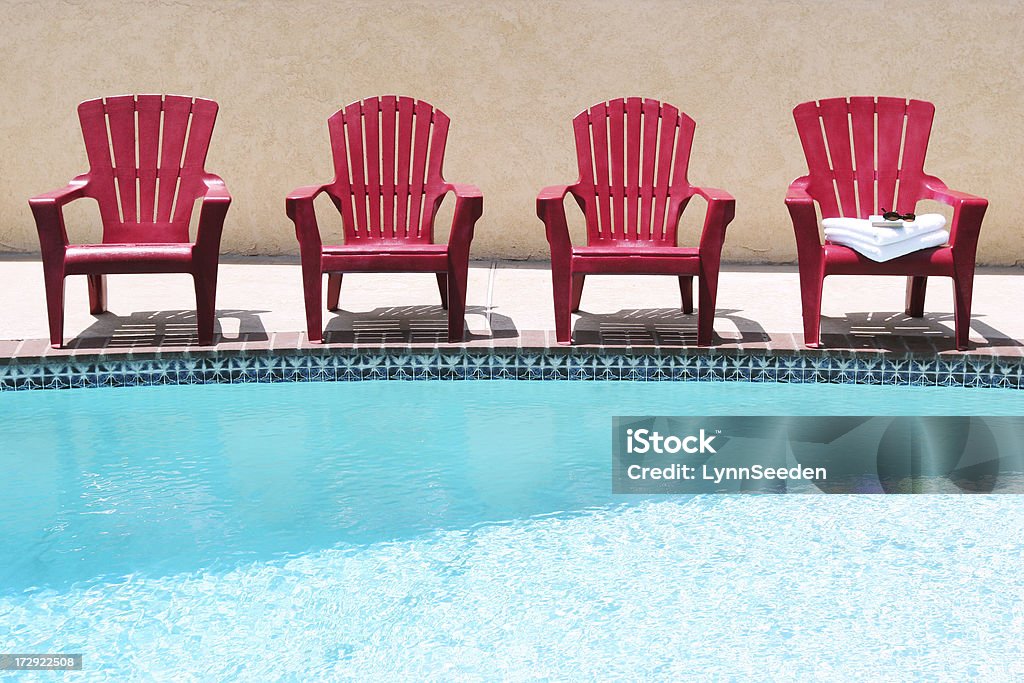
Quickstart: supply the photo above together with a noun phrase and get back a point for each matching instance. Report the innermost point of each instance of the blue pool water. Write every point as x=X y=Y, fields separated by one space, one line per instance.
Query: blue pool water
x=408 y=530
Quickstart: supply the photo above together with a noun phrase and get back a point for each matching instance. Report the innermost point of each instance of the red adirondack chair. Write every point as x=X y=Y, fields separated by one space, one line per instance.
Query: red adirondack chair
x=388 y=186
x=633 y=156
x=856 y=181
x=145 y=202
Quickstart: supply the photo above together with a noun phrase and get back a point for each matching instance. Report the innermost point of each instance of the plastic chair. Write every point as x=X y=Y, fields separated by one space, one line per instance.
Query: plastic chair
x=388 y=186
x=633 y=156
x=145 y=202
x=856 y=180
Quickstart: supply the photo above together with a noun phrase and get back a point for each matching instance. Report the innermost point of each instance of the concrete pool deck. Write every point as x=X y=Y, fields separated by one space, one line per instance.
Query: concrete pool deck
x=260 y=308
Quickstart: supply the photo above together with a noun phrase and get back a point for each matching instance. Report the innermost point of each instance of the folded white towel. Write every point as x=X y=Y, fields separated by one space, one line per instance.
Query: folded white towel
x=861 y=228
x=882 y=240
x=887 y=252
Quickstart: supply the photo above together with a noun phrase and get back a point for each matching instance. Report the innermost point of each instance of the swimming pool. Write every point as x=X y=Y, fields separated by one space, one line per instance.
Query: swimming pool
x=382 y=530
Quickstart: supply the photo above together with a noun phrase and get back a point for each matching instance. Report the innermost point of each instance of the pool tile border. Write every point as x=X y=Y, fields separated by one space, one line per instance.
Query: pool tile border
x=569 y=364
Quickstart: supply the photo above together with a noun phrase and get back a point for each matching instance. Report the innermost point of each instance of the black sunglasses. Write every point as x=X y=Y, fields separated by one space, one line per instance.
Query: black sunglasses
x=897 y=216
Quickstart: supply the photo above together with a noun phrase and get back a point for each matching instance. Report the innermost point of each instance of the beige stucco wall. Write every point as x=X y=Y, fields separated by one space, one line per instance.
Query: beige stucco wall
x=512 y=75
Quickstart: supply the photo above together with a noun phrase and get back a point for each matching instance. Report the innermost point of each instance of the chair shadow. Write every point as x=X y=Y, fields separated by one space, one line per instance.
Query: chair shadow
x=897 y=331
x=171 y=328
x=409 y=324
x=658 y=327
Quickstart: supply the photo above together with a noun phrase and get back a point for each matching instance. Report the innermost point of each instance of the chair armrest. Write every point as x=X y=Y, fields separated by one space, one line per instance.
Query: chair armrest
x=801 y=210
x=554 y=192
x=551 y=210
x=936 y=190
x=212 y=211
x=968 y=212
x=797 y=193
x=714 y=194
x=805 y=223
x=70 y=192
x=721 y=211
x=216 y=190
x=465 y=190
x=301 y=194
x=469 y=206
x=49 y=217
x=299 y=207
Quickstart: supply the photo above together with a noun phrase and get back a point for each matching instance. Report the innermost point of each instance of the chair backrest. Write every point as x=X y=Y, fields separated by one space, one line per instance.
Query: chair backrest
x=388 y=184
x=146 y=163
x=865 y=153
x=633 y=155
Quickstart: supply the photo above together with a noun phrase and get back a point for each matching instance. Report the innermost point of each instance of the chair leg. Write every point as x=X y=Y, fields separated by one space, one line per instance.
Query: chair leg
x=562 y=286
x=811 y=282
x=963 y=290
x=333 y=291
x=442 y=288
x=312 y=289
x=206 y=305
x=54 y=281
x=577 y=291
x=707 y=286
x=457 y=277
x=97 y=293
x=686 y=290
x=915 y=296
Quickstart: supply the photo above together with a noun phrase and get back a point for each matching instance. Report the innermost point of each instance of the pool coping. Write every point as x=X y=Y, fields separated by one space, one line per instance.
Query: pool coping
x=288 y=357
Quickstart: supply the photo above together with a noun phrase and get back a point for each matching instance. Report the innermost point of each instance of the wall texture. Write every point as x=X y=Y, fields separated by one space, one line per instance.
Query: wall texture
x=511 y=75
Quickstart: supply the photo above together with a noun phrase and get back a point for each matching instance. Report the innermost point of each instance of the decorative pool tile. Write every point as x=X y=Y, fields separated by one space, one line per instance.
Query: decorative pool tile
x=348 y=365
x=399 y=372
x=478 y=366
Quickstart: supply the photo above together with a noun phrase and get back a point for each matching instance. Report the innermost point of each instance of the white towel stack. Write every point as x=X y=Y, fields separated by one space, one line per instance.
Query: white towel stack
x=885 y=244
